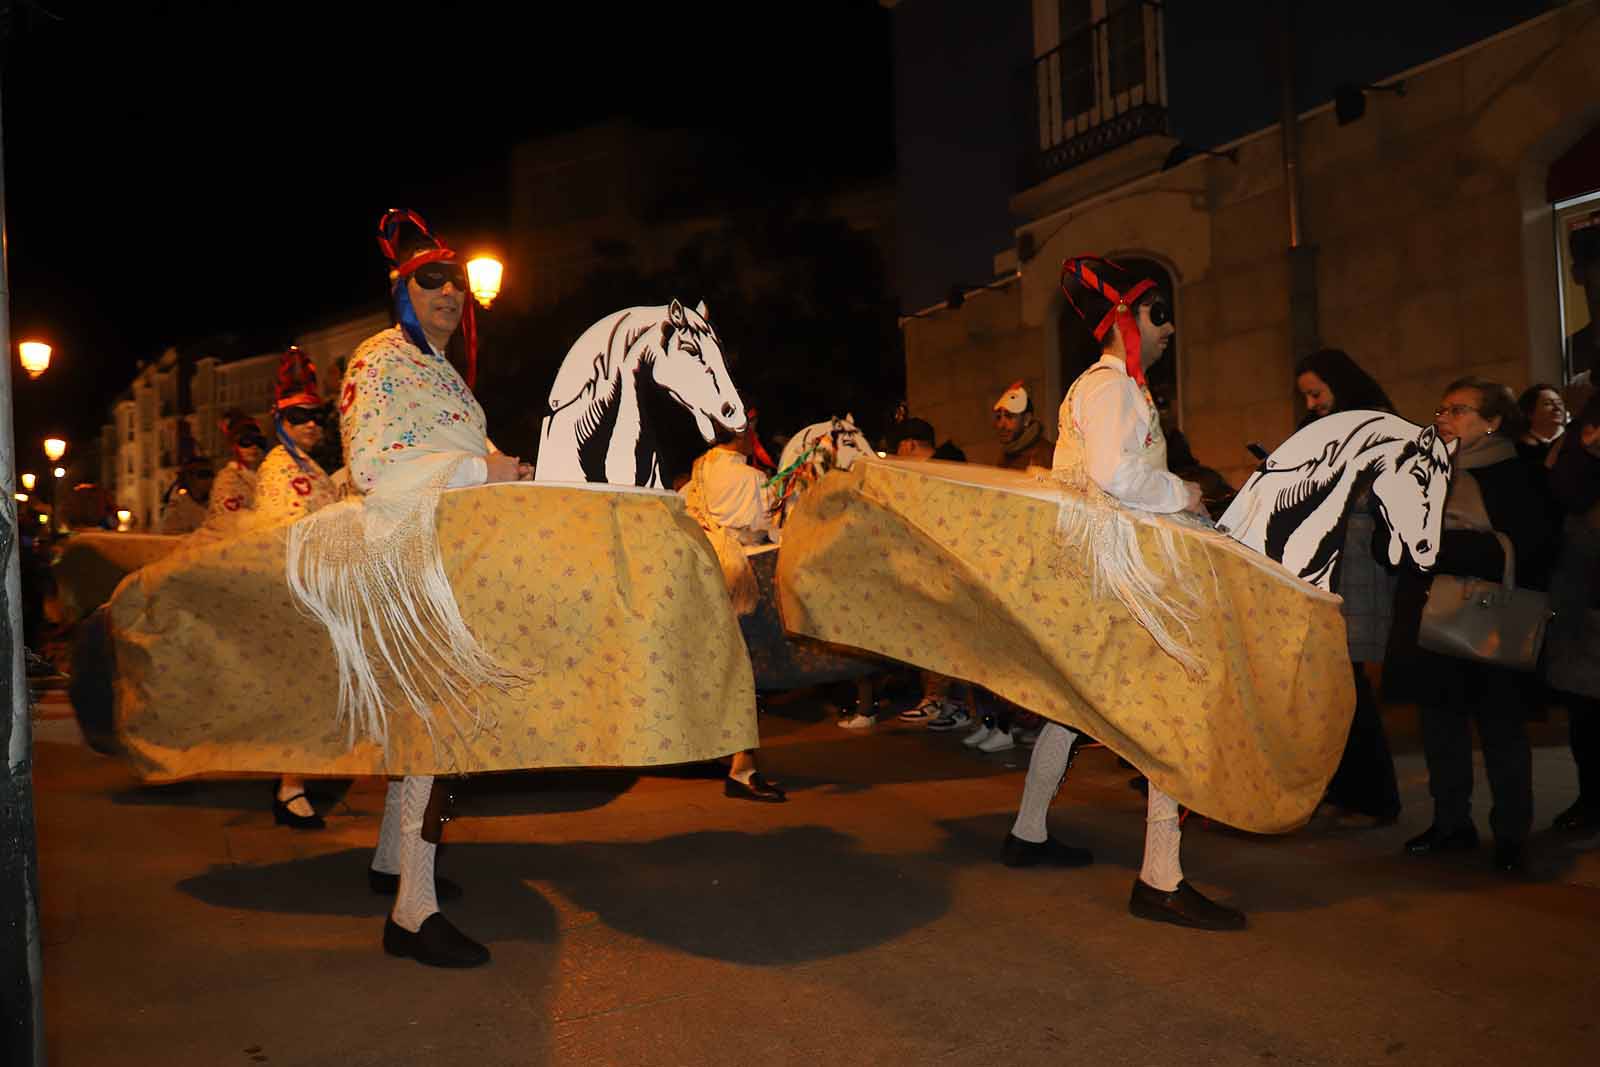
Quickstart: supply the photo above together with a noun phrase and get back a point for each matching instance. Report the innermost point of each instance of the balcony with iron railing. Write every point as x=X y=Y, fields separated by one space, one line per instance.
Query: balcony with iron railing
x=1103 y=87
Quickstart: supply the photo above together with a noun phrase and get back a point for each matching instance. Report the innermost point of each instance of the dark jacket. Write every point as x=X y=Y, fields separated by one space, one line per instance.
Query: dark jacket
x=1572 y=645
x=1040 y=452
x=1519 y=507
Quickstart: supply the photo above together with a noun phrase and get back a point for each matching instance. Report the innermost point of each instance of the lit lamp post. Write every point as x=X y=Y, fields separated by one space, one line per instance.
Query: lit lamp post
x=28 y=481
x=35 y=357
x=484 y=274
x=124 y=519
x=54 y=449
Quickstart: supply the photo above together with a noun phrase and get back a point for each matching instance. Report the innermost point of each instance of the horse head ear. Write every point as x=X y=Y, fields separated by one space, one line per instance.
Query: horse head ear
x=850 y=419
x=700 y=309
x=1426 y=439
x=1451 y=448
x=676 y=316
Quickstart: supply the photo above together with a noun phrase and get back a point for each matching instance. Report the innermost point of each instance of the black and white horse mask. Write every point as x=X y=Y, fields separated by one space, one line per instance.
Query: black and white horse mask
x=597 y=431
x=1293 y=509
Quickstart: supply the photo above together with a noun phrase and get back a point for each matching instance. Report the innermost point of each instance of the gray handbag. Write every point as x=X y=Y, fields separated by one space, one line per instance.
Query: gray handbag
x=1491 y=622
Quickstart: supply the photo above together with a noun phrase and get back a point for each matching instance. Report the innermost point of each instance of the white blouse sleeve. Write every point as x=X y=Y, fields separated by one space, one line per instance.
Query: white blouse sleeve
x=1112 y=414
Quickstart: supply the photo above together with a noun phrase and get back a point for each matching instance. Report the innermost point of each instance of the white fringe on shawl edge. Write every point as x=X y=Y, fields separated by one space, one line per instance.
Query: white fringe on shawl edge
x=1091 y=525
x=377 y=582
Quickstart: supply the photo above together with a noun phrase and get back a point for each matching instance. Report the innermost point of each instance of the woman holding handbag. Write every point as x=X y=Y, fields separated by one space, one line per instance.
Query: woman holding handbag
x=1496 y=499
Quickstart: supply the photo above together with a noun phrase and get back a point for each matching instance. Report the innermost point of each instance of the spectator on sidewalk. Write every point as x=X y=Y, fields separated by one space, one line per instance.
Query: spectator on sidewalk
x=1023 y=443
x=1572 y=646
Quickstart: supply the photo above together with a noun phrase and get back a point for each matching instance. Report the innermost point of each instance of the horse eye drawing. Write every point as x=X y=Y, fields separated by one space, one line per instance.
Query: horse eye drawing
x=597 y=430
x=1293 y=509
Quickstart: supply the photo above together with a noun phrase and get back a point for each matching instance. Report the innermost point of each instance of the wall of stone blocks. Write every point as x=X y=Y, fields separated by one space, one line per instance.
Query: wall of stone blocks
x=1422 y=222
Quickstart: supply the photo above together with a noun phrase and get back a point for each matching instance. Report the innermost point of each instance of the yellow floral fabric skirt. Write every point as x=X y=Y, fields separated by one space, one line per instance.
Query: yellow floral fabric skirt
x=958 y=570
x=611 y=602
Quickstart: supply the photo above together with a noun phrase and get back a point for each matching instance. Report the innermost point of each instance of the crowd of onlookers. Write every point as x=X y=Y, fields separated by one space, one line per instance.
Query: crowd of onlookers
x=1526 y=478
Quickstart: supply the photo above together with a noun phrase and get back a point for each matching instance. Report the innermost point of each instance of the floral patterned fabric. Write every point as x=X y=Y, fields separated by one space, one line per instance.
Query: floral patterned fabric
x=395 y=400
x=232 y=494
x=285 y=492
x=611 y=597
x=956 y=570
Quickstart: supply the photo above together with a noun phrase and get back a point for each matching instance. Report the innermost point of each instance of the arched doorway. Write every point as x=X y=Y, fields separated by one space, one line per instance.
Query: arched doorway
x=1079 y=349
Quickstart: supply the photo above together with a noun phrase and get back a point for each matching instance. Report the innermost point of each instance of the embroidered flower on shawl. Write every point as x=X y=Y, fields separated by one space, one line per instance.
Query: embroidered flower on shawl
x=301 y=485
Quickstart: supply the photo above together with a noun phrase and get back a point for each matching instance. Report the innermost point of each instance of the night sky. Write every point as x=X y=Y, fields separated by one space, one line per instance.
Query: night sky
x=176 y=171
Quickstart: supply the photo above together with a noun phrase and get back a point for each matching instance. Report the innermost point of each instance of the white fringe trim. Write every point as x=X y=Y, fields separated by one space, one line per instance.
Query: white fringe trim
x=1100 y=531
x=380 y=586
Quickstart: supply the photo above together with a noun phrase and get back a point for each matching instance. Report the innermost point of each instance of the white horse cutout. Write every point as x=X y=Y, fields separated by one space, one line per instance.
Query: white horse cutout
x=817 y=449
x=597 y=431
x=1293 y=508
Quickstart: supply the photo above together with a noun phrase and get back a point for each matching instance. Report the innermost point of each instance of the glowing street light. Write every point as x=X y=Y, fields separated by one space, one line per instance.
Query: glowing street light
x=35 y=357
x=22 y=498
x=60 y=472
x=124 y=518
x=484 y=275
x=54 y=449
x=27 y=481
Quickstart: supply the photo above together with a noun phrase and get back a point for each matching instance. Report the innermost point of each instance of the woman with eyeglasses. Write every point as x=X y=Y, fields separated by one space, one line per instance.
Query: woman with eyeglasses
x=1363 y=791
x=1493 y=493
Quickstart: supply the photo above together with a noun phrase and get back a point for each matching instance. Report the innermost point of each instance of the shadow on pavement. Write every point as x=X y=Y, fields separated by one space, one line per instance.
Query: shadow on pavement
x=787 y=896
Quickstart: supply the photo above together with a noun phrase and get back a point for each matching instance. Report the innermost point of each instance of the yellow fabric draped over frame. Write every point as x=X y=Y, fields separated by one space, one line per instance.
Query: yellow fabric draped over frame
x=614 y=596
x=957 y=569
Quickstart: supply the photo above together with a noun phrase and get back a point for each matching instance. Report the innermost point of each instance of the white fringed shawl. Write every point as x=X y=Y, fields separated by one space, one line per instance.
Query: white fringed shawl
x=369 y=568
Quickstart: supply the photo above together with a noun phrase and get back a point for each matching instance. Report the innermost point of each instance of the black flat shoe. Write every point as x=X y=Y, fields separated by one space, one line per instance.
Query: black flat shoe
x=437 y=943
x=1510 y=857
x=759 y=790
x=284 y=817
x=1184 y=906
x=1582 y=818
x=1434 y=840
x=1020 y=853
x=387 y=885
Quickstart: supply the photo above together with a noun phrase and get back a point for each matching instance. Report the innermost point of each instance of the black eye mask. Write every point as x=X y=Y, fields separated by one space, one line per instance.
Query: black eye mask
x=1160 y=313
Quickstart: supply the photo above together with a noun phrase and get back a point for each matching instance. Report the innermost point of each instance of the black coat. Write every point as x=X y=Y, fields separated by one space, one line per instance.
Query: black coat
x=1519 y=505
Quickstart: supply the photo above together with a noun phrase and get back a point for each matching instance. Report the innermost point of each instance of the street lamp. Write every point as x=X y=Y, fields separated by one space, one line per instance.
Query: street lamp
x=27 y=481
x=22 y=498
x=35 y=357
x=124 y=518
x=484 y=274
x=60 y=472
x=54 y=449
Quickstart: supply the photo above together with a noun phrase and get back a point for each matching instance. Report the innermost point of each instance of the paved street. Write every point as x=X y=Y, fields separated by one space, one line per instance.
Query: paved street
x=648 y=920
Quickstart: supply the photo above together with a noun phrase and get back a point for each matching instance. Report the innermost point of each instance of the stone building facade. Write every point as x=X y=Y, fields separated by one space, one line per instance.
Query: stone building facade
x=1427 y=225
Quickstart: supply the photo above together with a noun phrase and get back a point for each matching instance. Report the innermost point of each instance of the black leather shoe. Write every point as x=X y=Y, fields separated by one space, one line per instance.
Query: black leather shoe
x=1582 y=818
x=284 y=817
x=437 y=944
x=759 y=790
x=1184 y=906
x=1020 y=853
x=1434 y=840
x=1509 y=857
x=387 y=885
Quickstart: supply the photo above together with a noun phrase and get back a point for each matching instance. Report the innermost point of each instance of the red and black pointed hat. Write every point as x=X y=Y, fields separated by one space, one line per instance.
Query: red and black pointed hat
x=1103 y=293
x=297 y=381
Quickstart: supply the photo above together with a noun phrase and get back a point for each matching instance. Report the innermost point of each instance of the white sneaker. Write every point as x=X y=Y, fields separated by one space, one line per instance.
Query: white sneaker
x=859 y=722
x=997 y=741
x=978 y=736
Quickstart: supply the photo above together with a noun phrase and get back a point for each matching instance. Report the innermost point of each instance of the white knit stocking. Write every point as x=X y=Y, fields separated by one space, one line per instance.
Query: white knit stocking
x=416 y=900
x=1046 y=770
x=386 y=858
x=1162 y=839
